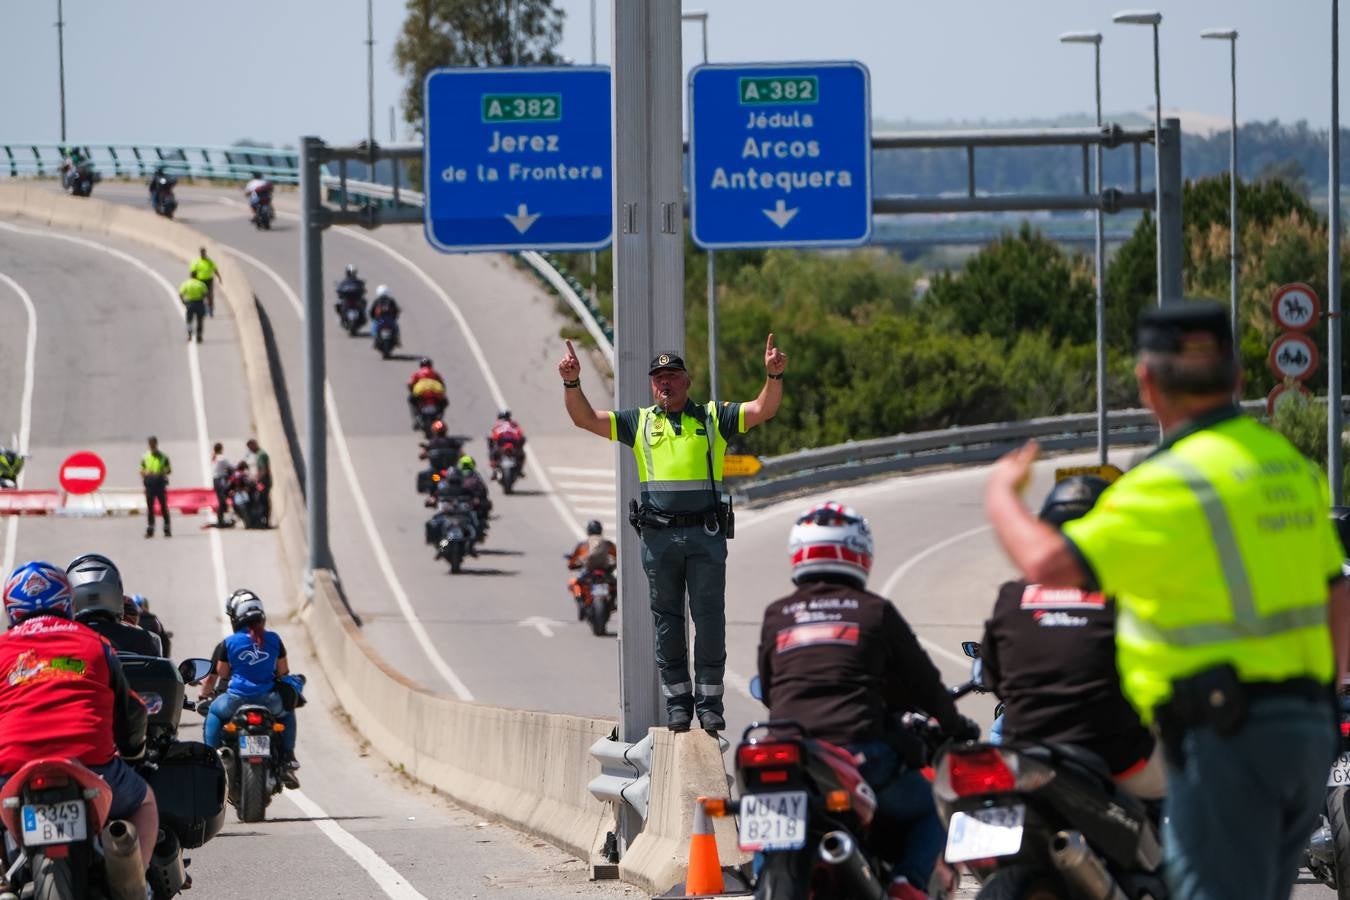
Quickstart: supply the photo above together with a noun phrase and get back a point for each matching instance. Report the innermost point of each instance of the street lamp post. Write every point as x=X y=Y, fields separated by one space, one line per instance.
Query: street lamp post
x=1151 y=17
x=1334 y=350
x=1095 y=39
x=701 y=16
x=61 y=66
x=1230 y=35
x=370 y=77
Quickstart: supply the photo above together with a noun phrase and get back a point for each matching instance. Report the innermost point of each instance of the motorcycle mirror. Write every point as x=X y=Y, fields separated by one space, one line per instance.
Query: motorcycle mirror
x=971 y=649
x=194 y=670
x=757 y=689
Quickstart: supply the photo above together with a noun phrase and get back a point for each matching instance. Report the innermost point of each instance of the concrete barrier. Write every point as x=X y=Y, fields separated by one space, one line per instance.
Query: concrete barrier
x=529 y=769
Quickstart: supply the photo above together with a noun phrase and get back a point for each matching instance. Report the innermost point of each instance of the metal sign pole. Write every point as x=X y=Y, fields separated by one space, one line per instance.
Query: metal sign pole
x=1334 y=417
x=316 y=418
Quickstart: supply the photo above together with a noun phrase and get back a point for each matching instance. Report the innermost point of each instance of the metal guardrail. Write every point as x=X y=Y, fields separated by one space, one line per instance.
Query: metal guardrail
x=139 y=160
x=860 y=460
x=566 y=286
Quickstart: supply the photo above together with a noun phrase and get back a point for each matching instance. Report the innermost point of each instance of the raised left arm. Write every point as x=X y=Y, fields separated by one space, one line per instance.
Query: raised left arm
x=765 y=406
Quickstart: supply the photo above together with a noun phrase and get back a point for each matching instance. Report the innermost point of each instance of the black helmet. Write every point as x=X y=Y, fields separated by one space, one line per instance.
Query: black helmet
x=1340 y=515
x=594 y=527
x=97 y=586
x=1072 y=498
x=425 y=362
x=232 y=604
x=504 y=415
x=351 y=270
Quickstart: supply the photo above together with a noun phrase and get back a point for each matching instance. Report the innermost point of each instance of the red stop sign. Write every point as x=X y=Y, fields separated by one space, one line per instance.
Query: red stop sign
x=82 y=473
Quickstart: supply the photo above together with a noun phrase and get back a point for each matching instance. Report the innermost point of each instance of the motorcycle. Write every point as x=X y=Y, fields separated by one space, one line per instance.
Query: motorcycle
x=453 y=531
x=246 y=502
x=79 y=178
x=252 y=756
x=263 y=214
x=596 y=594
x=386 y=336
x=438 y=461
x=351 y=311
x=1327 y=855
x=1044 y=820
x=506 y=465
x=163 y=199
x=11 y=464
x=427 y=411
x=187 y=776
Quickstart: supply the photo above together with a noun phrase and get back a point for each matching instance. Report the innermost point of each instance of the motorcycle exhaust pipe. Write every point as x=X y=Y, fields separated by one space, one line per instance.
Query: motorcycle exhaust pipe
x=1321 y=847
x=1082 y=869
x=838 y=849
x=167 y=864
x=122 y=861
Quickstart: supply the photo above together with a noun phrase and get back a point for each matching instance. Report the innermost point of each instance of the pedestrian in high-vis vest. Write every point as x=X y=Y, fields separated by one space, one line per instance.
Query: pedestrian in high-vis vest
x=684 y=519
x=1234 y=617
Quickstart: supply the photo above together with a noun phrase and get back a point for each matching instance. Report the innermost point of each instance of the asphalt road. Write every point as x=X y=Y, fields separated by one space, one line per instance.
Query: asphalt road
x=502 y=633
x=110 y=366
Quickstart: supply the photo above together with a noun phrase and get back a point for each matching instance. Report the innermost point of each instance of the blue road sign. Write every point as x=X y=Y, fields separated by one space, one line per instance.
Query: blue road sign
x=518 y=158
x=780 y=155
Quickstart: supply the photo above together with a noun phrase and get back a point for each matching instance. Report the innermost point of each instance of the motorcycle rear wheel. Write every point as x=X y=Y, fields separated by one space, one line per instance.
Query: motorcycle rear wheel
x=1023 y=883
x=599 y=615
x=252 y=792
x=785 y=876
x=54 y=879
x=455 y=553
x=1338 y=815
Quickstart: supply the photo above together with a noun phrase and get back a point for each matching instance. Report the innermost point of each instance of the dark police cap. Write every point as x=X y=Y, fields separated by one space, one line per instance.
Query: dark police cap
x=1187 y=326
x=666 y=361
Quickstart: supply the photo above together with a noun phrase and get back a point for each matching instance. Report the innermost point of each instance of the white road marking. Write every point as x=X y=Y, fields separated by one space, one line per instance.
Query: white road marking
x=362 y=507
x=25 y=412
x=738 y=683
x=573 y=470
x=587 y=487
x=913 y=561
x=394 y=885
x=194 y=372
x=540 y=624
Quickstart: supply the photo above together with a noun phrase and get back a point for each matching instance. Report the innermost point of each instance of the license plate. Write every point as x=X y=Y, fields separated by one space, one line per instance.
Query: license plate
x=985 y=833
x=773 y=821
x=429 y=408
x=1340 y=771
x=255 y=745
x=599 y=591
x=54 y=823
x=508 y=462
x=455 y=534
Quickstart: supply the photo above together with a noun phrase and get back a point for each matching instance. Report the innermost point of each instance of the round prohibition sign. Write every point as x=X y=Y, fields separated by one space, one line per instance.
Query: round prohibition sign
x=1281 y=393
x=1293 y=355
x=82 y=473
x=1295 y=307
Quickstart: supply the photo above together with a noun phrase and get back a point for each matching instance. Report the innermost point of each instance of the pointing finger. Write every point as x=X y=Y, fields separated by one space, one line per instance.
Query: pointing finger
x=570 y=351
x=769 y=345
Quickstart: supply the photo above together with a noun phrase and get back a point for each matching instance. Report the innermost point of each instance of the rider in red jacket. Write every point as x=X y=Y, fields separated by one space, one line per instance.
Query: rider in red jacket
x=63 y=694
x=506 y=430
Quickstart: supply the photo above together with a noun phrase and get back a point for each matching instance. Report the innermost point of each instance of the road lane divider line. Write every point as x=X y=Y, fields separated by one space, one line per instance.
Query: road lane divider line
x=394 y=885
x=194 y=372
x=25 y=411
x=362 y=506
x=913 y=561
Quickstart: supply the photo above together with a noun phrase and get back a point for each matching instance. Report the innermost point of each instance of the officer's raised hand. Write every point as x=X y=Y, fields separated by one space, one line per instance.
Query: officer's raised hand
x=1013 y=470
x=570 y=367
x=775 y=360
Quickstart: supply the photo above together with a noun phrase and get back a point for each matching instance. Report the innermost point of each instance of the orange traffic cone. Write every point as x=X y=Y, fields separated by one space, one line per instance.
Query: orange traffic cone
x=705 y=871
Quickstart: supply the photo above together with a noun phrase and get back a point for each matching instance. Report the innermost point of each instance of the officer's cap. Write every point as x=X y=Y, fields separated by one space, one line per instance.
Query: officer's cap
x=666 y=361
x=1188 y=326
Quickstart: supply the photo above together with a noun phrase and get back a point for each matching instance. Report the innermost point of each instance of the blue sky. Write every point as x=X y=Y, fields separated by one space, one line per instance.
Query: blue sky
x=191 y=71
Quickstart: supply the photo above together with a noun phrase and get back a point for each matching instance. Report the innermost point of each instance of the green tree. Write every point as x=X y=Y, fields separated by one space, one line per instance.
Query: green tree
x=472 y=33
x=1022 y=282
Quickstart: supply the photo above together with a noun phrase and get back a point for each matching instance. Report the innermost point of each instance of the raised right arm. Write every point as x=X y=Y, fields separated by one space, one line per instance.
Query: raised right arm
x=578 y=407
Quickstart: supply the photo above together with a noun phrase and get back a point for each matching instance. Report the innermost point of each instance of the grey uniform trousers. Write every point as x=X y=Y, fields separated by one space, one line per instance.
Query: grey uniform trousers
x=676 y=560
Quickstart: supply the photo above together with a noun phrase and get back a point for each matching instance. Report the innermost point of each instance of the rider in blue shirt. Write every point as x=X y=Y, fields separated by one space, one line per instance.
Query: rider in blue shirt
x=250 y=663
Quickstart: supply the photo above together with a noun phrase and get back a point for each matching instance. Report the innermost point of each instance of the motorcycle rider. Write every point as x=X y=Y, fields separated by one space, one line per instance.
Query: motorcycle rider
x=385 y=307
x=450 y=495
x=254 y=660
x=152 y=623
x=11 y=464
x=84 y=709
x=439 y=450
x=71 y=165
x=350 y=289
x=160 y=181
x=838 y=659
x=506 y=431
x=596 y=552
x=475 y=485
x=96 y=588
x=426 y=385
x=259 y=191
x=1049 y=655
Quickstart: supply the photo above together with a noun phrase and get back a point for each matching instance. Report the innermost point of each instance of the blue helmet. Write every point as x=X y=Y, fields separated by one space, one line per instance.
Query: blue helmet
x=37 y=588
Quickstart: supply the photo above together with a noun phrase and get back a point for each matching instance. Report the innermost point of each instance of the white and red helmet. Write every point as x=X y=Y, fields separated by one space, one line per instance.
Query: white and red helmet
x=831 y=539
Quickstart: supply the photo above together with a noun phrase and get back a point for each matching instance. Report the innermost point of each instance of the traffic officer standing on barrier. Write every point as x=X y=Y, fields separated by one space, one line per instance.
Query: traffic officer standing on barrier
x=193 y=294
x=155 y=471
x=683 y=520
x=204 y=269
x=1234 y=617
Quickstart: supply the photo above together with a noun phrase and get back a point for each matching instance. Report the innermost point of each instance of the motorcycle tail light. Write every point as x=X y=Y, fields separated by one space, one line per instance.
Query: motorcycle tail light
x=982 y=771
x=758 y=756
x=253 y=717
x=1345 y=729
x=43 y=782
x=774 y=776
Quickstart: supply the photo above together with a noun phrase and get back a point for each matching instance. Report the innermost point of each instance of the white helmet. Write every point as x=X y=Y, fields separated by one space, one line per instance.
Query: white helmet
x=830 y=539
x=382 y=291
